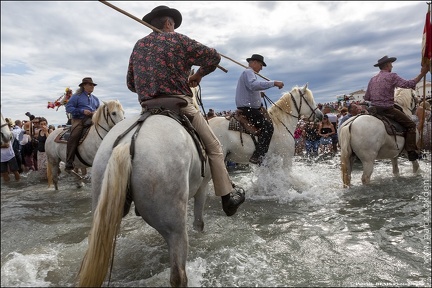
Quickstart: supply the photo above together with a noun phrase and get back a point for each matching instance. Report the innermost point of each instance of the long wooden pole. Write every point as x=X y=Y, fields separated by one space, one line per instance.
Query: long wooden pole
x=145 y=23
x=244 y=66
x=158 y=30
x=422 y=120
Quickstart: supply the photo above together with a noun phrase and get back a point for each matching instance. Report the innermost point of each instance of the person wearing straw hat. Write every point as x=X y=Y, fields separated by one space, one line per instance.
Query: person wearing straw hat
x=380 y=93
x=160 y=65
x=248 y=100
x=82 y=105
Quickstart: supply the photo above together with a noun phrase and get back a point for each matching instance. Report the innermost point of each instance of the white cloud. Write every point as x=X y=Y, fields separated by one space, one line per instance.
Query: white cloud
x=48 y=46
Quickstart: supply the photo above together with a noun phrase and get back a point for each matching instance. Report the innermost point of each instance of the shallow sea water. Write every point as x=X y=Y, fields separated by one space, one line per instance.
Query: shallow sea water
x=296 y=229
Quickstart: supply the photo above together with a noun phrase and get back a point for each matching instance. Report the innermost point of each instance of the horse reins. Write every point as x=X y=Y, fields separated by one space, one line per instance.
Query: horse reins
x=106 y=116
x=297 y=107
x=200 y=102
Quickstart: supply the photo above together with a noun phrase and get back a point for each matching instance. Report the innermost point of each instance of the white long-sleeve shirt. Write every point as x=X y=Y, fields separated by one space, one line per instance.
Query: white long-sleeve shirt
x=249 y=88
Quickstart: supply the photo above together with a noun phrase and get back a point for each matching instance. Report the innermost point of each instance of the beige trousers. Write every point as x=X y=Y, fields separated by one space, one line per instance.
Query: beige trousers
x=221 y=181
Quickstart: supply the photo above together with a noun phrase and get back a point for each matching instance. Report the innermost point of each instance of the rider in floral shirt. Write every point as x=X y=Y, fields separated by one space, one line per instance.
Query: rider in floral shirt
x=160 y=64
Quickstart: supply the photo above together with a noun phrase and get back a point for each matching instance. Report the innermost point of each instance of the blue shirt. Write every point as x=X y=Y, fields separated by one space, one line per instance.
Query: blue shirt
x=80 y=102
x=249 y=88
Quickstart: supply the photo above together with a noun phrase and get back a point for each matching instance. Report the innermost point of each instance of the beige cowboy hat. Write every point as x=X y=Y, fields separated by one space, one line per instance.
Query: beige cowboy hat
x=164 y=11
x=87 y=80
x=384 y=60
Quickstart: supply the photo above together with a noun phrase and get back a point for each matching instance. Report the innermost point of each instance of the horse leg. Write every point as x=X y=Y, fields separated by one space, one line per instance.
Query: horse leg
x=416 y=166
x=55 y=174
x=367 y=171
x=199 y=202
x=53 y=170
x=395 y=167
x=178 y=250
x=346 y=169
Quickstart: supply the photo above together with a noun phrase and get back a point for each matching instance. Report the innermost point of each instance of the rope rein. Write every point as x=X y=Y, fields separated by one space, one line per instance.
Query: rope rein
x=107 y=117
x=297 y=107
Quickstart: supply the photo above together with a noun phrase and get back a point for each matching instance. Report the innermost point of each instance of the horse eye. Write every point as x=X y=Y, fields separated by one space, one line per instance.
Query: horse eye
x=114 y=113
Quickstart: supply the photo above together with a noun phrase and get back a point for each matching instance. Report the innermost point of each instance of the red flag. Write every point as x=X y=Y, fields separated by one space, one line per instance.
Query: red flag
x=427 y=41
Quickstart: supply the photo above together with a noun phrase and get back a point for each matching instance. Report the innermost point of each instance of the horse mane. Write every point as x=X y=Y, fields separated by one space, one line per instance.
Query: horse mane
x=285 y=102
x=403 y=97
x=112 y=104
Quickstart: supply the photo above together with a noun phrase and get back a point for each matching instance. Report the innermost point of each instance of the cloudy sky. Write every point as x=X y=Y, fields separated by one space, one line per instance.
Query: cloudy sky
x=332 y=46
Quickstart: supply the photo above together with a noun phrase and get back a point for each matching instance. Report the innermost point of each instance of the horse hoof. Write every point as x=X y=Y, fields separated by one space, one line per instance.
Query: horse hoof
x=198 y=226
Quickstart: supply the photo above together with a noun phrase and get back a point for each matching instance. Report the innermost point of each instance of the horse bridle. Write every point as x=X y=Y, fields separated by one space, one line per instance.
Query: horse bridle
x=107 y=117
x=297 y=107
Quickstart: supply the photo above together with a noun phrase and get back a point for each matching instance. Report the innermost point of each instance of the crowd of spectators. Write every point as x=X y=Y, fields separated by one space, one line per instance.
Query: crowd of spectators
x=307 y=136
x=26 y=151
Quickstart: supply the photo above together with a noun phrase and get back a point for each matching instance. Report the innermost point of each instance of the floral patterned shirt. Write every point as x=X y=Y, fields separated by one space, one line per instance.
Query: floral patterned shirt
x=160 y=64
x=380 y=90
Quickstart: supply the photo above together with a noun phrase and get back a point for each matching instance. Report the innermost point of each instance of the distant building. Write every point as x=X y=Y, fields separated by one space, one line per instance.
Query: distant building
x=358 y=95
x=419 y=89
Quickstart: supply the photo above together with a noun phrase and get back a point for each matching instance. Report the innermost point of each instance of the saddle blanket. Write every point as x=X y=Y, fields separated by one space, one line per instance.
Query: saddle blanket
x=64 y=135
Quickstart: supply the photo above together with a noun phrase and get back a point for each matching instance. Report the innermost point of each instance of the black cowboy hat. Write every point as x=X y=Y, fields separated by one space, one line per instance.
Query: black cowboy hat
x=164 y=11
x=87 y=80
x=384 y=60
x=257 y=57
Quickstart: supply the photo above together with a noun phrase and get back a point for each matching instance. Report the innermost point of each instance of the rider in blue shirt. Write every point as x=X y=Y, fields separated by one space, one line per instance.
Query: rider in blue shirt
x=82 y=105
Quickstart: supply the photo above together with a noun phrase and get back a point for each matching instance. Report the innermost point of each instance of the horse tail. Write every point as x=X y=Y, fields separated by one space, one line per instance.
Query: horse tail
x=345 y=156
x=107 y=217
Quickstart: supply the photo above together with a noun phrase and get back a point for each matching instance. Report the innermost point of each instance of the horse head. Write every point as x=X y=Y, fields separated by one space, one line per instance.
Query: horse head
x=6 y=133
x=405 y=98
x=109 y=114
x=299 y=101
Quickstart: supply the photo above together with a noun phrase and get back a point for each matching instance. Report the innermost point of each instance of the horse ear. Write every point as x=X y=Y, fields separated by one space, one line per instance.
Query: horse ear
x=305 y=87
x=105 y=103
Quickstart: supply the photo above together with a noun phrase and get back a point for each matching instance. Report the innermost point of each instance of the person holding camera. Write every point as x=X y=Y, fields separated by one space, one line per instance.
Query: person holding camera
x=82 y=105
x=41 y=136
x=27 y=148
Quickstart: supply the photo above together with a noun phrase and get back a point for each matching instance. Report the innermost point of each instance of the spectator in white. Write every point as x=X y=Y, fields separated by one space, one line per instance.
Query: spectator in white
x=18 y=133
x=333 y=120
x=8 y=162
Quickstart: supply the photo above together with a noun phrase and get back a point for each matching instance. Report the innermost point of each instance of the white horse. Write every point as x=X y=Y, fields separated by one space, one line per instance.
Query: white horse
x=285 y=114
x=107 y=115
x=365 y=137
x=161 y=176
x=6 y=133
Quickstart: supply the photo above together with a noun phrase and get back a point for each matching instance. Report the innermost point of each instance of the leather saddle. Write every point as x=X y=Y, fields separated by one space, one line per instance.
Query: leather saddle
x=169 y=106
x=65 y=134
x=239 y=122
x=161 y=103
x=392 y=127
